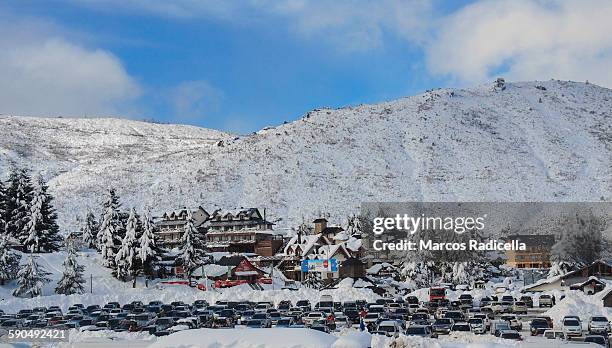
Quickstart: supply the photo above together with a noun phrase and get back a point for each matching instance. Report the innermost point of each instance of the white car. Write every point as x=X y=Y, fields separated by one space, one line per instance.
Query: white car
x=554 y=335
x=599 y=324
x=312 y=317
x=572 y=327
x=477 y=325
x=391 y=328
x=519 y=307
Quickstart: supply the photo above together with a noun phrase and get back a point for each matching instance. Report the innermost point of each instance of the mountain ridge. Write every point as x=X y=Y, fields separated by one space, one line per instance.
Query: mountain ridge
x=540 y=140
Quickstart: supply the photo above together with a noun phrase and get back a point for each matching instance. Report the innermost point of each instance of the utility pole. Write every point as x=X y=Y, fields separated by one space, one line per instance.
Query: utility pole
x=91 y=283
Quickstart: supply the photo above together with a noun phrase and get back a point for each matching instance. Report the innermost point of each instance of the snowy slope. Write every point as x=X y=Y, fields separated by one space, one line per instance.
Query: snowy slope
x=478 y=144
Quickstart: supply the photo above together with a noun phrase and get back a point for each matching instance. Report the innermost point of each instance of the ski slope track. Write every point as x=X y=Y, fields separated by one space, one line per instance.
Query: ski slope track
x=533 y=141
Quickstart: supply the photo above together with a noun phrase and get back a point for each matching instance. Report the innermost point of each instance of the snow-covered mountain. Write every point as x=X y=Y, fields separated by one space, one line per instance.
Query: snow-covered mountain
x=534 y=141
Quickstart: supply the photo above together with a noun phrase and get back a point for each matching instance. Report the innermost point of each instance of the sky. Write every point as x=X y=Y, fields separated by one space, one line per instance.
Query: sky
x=239 y=66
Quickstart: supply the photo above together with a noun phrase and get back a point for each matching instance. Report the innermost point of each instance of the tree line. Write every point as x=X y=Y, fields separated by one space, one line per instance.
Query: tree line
x=28 y=220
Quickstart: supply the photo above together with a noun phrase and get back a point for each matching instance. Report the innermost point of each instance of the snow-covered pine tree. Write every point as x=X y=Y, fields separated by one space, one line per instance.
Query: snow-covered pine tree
x=354 y=227
x=148 y=249
x=41 y=230
x=72 y=279
x=107 y=237
x=90 y=226
x=192 y=250
x=418 y=274
x=126 y=260
x=31 y=278
x=19 y=197
x=9 y=260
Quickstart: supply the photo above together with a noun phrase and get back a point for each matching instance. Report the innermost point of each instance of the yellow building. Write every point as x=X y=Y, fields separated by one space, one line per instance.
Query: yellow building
x=537 y=254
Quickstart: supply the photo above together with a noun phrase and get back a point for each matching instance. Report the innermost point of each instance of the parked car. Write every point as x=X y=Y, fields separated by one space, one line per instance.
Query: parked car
x=528 y=300
x=263 y=317
x=391 y=328
x=598 y=339
x=545 y=300
x=572 y=327
x=537 y=326
x=519 y=307
x=599 y=324
x=498 y=326
x=515 y=323
x=477 y=325
x=462 y=327
x=421 y=331
x=443 y=325
x=511 y=335
x=554 y=335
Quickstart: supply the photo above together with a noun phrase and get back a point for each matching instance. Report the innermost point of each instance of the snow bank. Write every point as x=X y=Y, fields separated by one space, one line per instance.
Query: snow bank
x=354 y=339
x=247 y=338
x=580 y=304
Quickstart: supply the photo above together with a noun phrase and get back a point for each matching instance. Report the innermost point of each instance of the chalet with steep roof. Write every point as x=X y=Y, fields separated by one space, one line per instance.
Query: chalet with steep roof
x=171 y=225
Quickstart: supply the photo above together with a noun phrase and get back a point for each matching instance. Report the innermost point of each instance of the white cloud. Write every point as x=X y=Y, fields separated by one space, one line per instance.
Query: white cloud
x=525 y=40
x=45 y=73
x=194 y=100
x=346 y=25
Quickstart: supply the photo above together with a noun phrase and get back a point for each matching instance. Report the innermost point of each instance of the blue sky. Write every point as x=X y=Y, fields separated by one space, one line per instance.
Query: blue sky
x=240 y=66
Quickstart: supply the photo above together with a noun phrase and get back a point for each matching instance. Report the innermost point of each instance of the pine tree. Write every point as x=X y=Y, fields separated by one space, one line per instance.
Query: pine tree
x=148 y=250
x=31 y=279
x=125 y=259
x=90 y=225
x=9 y=260
x=72 y=279
x=192 y=251
x=19 y=197
x=41 y=230
x=108 y=235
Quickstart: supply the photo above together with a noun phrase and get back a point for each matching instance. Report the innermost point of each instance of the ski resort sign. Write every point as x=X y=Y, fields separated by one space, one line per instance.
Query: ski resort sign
x=325 y=265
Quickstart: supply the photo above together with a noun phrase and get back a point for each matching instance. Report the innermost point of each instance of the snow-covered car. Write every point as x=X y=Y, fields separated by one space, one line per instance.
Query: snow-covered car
x=421 y=331
x=519 y=307
x=391 y=328
x=599 y=324
x=571 y=327
x=477 y=325
x=443 y=325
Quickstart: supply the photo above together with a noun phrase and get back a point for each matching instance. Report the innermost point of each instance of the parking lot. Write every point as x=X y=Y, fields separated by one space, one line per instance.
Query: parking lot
x=508 y=318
